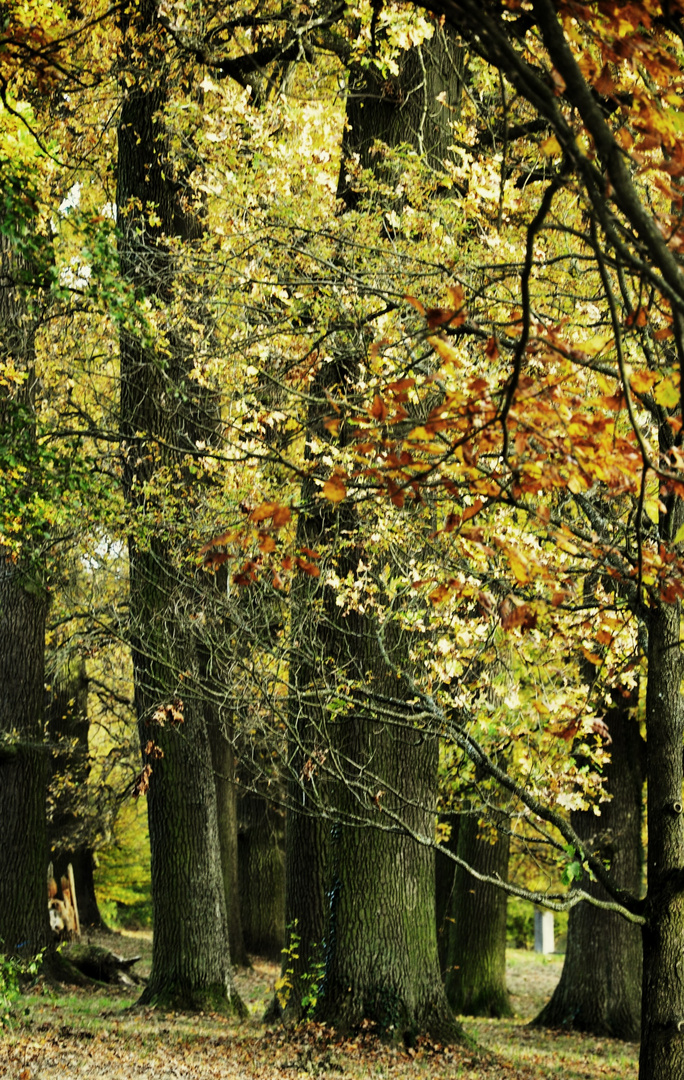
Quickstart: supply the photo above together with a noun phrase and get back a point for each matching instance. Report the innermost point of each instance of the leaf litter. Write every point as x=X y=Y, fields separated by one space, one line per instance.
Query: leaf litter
x=89 y=1034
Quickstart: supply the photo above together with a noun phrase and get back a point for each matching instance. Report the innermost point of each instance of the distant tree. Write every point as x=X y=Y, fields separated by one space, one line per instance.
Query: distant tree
x=162 y=414
x=604 y=997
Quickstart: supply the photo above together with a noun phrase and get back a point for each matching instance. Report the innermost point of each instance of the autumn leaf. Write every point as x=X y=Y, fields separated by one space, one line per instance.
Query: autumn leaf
x=334 y=488
x=492 y=349
x=264 y=511
x=266 y=543
x=307 y=567
x=442 y=592
x=281 y=516
x=378 y=409
x=218 y=541
x=667 y=394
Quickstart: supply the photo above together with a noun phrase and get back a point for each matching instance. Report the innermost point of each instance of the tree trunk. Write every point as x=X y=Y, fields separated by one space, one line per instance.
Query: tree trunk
x=223 y=758
x=381 y=961
x=603 y=998
x=160 y=411
x=475 y=978
x=24 y=927
x=662 y=1017
x=261 y=853
x=307 y=830
x=444 y=884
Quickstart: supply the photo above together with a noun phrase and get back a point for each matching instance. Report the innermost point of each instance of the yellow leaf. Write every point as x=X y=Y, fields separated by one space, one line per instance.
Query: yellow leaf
x=334 y=489
x=596 y=343
x=518 y=567
x=420 y=434
x=550 y=147
x=651 y=508
x=667 y=394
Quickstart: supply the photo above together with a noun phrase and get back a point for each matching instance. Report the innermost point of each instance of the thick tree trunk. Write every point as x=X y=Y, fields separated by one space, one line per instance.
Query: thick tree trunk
x=604 y=997
x=261 y=854
x=662 y=1018
x=160 y=412
x=475 y=977
x=381 y=961
x=24 y=928
x=307 y=830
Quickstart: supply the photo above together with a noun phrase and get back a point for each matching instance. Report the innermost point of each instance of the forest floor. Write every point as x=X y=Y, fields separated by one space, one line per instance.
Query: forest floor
x=100 y=1034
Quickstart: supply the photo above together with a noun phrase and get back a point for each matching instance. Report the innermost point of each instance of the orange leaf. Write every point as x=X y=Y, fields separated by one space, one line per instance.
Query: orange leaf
x=416 y=304
x=217 y=540
x=281 y=516
x=439 y=594
x=266 y=543
x=471 y=511
x=307 y=567
x=378 y=409
x=265 y=510
x=492 y=349
x=396 y=494
x=334 y=489
x=604 y=84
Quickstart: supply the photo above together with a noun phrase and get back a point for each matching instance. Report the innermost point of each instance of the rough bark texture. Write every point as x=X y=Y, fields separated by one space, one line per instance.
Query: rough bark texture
x=603 y=996
x=261 y=856
x=161 y=412
x=381 y=957
x=475 y=977
x=662 y=1019
x=223 y=758
x=24 y=929
x=381 y=962
x=307 y=831
x=444 y=884
x=401 y=109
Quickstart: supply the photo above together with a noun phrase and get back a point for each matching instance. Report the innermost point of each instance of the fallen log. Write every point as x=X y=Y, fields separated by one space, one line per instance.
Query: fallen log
x=98 y=963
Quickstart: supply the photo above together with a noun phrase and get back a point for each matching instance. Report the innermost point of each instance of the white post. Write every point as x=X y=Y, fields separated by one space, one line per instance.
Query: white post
x=543 y=931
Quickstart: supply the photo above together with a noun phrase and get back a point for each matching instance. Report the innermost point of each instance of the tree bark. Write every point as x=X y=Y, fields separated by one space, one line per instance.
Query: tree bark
x=381 y=962
x=261 y=852
x=603 y=998
x=24 y=927
x=161 y=411
x=475 y=977
x=444 y=884
x=662 y=1017
x=223 y=758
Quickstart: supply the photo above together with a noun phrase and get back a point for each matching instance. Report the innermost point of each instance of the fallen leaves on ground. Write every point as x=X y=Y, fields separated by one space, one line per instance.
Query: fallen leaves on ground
x=85 y=1034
